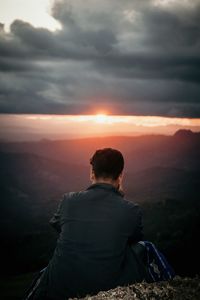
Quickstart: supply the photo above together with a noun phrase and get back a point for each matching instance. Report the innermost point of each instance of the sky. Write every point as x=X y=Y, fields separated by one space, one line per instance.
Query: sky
x=130 y=57
x=35 y=127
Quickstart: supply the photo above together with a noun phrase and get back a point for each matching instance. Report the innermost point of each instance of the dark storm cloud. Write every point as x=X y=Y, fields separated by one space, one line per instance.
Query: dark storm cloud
x=132 y=57
x=173 y=29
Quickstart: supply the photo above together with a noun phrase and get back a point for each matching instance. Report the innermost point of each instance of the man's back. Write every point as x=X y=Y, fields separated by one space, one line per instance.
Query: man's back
x=93 y=253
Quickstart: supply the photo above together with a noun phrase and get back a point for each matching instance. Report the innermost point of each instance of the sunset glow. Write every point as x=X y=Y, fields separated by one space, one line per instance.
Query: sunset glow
x=101 y=118
x=36 y=127
x=145 y=121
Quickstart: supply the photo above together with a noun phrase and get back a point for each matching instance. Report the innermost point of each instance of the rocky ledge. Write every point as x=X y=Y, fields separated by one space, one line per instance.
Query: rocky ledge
x=176 y=289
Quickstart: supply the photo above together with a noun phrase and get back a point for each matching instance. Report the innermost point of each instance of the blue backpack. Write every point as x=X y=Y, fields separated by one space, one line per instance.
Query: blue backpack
x=157 y=265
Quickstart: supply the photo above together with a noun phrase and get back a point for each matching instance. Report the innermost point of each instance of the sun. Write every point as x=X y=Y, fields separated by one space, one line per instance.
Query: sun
x=101 y=118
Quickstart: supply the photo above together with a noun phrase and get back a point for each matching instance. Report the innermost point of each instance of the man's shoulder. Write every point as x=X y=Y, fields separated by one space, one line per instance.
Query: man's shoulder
x=71 y=195
x=123 y=202
x=130 y=205
x=75 y=195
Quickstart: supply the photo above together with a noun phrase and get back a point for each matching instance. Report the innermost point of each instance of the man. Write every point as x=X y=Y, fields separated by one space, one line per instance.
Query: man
x=97 y=227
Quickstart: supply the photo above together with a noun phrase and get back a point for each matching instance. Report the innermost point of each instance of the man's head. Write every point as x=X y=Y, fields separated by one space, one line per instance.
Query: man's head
x=107 y=166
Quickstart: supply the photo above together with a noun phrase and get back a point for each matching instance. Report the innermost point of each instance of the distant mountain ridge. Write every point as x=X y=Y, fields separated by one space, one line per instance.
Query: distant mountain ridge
x=186 y=133
x=140 y=152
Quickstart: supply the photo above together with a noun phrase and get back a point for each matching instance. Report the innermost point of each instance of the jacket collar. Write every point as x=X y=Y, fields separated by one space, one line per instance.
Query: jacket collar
x=106 y=186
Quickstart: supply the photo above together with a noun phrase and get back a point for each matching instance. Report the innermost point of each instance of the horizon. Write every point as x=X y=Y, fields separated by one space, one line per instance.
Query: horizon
x=36 y=127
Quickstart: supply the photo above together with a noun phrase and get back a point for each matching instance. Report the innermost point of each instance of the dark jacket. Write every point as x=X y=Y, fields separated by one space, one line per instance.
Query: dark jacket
x=93 y=253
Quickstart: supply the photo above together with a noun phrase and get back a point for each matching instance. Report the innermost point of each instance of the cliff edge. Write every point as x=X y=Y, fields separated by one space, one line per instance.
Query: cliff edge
x=176 y=289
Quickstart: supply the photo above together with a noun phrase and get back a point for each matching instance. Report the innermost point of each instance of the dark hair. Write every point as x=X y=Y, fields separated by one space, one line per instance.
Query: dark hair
x=107 y=163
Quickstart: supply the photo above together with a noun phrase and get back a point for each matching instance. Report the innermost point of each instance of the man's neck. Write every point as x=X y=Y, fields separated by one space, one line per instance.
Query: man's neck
x=115 y=183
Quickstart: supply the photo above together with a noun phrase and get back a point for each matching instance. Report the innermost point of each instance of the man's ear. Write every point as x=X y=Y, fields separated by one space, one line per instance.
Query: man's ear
x=121 y=176
x=92 y=176
x=120 y=186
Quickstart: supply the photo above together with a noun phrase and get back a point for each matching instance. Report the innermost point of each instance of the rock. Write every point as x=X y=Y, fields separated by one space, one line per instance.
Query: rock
x=176 y=289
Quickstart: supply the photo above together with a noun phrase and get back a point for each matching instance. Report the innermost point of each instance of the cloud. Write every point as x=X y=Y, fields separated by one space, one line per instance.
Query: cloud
x=129 y=57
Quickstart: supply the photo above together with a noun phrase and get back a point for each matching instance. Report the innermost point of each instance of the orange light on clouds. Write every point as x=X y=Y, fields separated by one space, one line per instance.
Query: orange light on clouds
x=145 y=121
x=25 y=127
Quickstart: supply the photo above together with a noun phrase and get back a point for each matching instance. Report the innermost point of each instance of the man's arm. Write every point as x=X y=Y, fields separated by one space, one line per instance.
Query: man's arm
x=137 y=229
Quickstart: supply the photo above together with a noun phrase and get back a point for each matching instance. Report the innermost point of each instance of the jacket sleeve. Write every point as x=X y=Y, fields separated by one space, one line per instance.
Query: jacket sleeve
x=137 y=225
x=55 y=221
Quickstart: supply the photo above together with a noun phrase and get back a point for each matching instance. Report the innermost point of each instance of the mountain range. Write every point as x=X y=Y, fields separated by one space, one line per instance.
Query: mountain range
x=161 y=174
